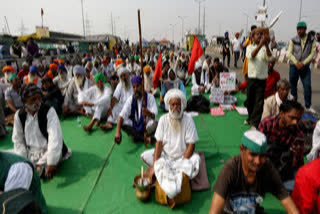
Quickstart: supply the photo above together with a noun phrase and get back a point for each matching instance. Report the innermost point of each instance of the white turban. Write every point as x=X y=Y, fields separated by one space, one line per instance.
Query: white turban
x=122 y=70
x=198 y=65
x=175 y=93
x=78 y=69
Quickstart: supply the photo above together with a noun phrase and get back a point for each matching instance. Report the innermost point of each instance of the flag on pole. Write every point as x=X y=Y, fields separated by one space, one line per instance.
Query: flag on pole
x=157 y=72
x=196 y=53
x=41 y=12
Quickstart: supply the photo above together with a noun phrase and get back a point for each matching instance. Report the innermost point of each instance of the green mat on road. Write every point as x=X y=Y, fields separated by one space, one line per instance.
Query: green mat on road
x=68 y=192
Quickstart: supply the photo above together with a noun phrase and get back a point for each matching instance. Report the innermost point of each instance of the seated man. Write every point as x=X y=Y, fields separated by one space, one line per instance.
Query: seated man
x=306 y=188
x=246 y=178
x=52 y=73
x=134 y=112
x=18 y=173
x=76 y=86
x=33 y=77
x=171 y=83
x=122 y=93
x=114 y=80
x=285 y=140
x=200 y=83
x=272 y=80
x=314 y=153
x=7 y=71
x=62 y=80
x=3 y=130
x=272 y=104
x=214 y=72
x=148 y=81
x=96 y=101
x=24 y=71
x=12 y=98
x=37 y=133
x=182 y=72
x=174 y=154
x=51 y=95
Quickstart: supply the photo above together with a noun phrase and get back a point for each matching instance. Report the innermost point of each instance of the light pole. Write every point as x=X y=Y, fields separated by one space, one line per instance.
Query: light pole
x=84 y=31
x=199 y=1
x=300 y=10
x=182 y=26
x=172 y=25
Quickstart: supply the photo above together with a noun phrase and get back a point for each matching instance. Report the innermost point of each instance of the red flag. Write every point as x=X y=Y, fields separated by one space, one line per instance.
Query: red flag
x=41 y=12
x=195 y=55
x=157 y=72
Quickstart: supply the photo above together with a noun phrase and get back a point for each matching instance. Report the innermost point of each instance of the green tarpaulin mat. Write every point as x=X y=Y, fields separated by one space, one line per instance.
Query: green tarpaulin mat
x=72 y=189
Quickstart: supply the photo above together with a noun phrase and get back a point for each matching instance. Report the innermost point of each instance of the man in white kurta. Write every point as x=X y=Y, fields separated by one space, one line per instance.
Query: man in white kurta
x=174 y=154
x=133 y=113
x=122 y=93
x=30 y=141
x=62 y=80
x=96 y=101
x=77 y=85
x=200 y=82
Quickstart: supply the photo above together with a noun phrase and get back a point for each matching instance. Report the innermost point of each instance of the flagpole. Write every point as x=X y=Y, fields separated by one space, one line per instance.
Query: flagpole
x=141 y=67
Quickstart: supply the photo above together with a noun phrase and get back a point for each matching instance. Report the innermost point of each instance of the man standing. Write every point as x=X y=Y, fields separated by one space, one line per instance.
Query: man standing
x=32 y=48
x=133 y=113
x=258 y=55
x=301 y=51
x=226 y=48
x=236 y=49
x=96 y=101
x=246 y=178
x=174 y=153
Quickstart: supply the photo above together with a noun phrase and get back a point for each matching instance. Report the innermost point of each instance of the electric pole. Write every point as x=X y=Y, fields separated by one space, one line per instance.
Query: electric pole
x=182 y=27
x=84 y=30
x=204 y=21
x=300 y=10
x=199 y=1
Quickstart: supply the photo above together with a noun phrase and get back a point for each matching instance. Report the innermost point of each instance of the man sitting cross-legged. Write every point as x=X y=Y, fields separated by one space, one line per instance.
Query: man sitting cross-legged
x=37 y=133
x=133 y=113
x=174 y=154
x=96 y=101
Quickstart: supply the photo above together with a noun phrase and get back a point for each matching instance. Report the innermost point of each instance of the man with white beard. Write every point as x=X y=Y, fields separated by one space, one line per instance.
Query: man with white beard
x=32 y=76
x=133 y=113
x=121 y=94
x=62 y=80
x=174 y=154
x=7 y=72
x=96 y=101
x=77 y=85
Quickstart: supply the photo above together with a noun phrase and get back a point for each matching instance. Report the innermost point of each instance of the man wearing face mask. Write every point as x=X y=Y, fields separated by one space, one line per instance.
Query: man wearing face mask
x=174 y=153
x=7 y=71
x=96 y=101
x=77 y=85
x=32 y=77
x=62 y=80
x=37 y=133
x=285 y=139
x=133 y=113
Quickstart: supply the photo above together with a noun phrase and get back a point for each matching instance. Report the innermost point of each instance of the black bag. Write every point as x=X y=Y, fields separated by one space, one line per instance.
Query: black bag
x=19 y=201
x=282 y=159
x=198 y=104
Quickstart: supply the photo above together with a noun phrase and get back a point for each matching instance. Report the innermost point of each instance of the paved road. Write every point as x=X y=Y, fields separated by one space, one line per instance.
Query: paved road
x=283 y=69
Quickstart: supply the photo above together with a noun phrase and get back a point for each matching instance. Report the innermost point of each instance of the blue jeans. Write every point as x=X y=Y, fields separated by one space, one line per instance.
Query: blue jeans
x=305 y=76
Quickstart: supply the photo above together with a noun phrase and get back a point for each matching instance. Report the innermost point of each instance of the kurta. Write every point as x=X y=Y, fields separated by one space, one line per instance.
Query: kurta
x=30 y=142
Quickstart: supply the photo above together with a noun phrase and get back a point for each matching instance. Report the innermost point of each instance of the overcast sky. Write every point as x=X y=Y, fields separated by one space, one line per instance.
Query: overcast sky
x=159 y=17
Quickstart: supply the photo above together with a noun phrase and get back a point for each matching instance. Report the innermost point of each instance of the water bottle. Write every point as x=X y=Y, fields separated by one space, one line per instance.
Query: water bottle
x=79 y=121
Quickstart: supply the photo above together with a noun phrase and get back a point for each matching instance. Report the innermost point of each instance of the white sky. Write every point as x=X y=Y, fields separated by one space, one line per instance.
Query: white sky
x=156 y=15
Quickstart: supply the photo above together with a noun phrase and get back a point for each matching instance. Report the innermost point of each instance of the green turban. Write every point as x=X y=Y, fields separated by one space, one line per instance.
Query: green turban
x=99 y=76
x=255 y=141
x=301 y=24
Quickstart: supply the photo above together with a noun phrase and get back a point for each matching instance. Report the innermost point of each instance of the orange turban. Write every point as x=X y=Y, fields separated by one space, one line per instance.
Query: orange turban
x=119 y=62
x=147 y=68
x=53 y=66
x=8 y=68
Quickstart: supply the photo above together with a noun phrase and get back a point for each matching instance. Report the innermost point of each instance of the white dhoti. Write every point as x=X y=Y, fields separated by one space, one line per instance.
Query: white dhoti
x=169 y=172
x=98 y=112
x=115 y=113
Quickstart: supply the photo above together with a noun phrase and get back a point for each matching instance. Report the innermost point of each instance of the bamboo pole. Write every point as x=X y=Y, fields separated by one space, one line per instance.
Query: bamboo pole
x=142 y=76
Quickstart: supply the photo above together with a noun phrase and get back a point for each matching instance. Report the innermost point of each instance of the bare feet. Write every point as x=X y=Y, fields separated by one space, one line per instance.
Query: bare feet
x=87 y=128
x=106 y=127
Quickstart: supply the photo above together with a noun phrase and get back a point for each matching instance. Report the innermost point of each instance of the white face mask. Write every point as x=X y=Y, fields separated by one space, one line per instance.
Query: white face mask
x=31 y=77
x=79 y=81
x=7 y=75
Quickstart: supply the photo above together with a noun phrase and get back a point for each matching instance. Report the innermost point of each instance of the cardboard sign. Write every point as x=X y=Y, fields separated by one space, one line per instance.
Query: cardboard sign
x=217 y=95
x=228 y=81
